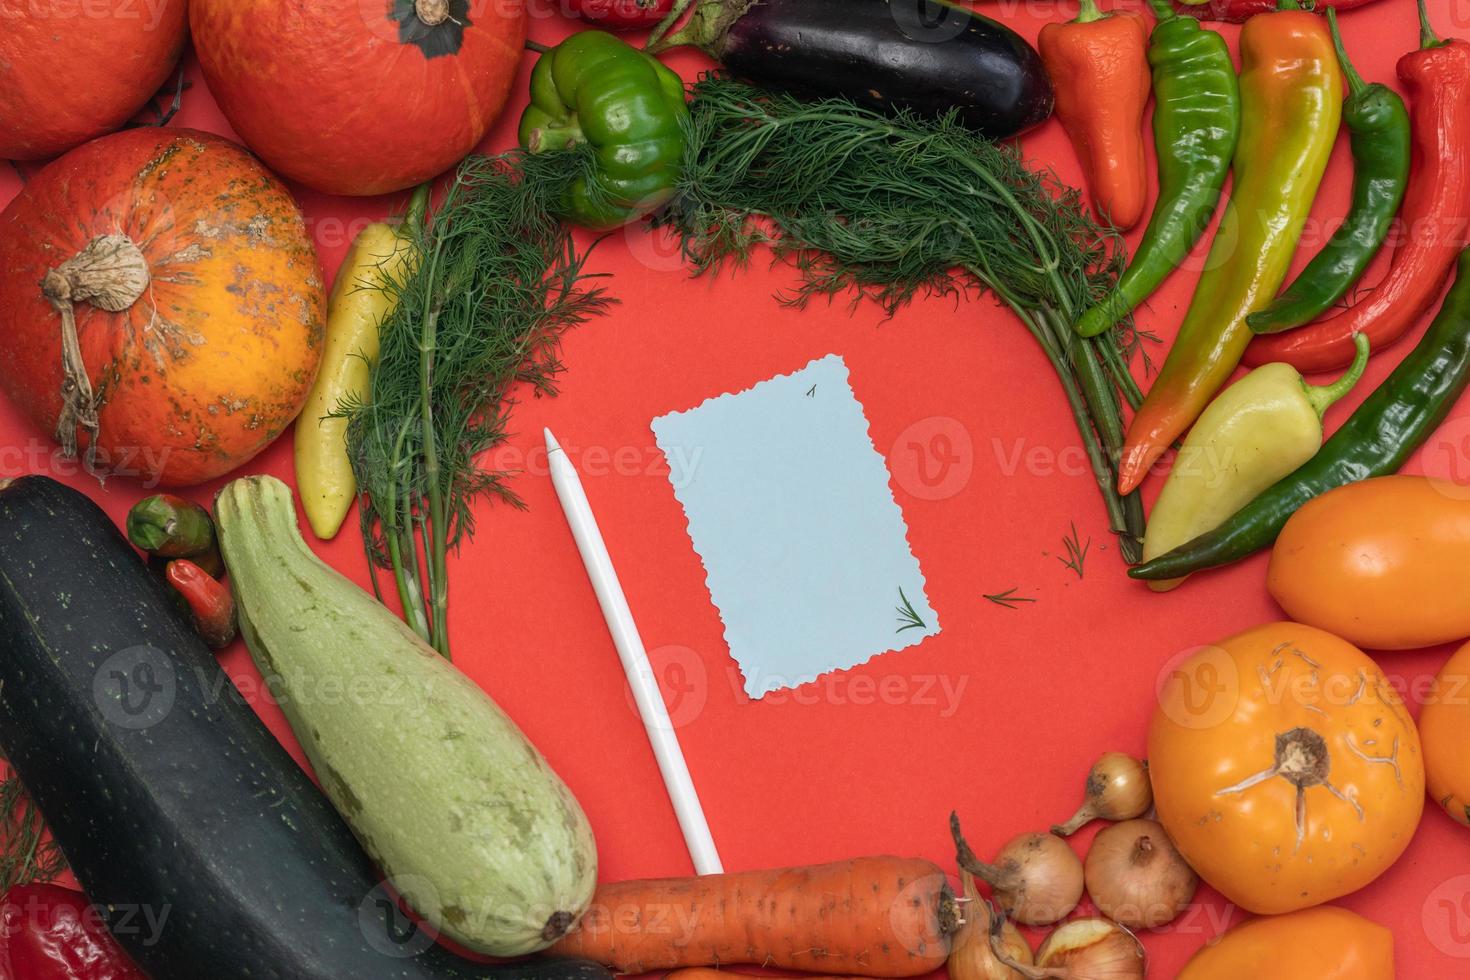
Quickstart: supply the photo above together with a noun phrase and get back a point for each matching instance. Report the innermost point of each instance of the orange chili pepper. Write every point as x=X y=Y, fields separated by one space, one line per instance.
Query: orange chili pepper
x=1099 y=68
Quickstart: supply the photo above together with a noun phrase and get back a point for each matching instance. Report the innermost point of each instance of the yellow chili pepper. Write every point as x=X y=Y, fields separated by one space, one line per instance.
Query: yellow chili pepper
x=1258 y=431
x=381 y=255
x=1291 y=107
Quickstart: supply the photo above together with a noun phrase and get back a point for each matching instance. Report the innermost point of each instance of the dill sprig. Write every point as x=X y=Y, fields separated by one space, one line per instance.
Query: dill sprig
x=27 y=852
x=890 y=207
x=1008 y=599
x=908 y=616
x=1076 y=548
x=498 y=281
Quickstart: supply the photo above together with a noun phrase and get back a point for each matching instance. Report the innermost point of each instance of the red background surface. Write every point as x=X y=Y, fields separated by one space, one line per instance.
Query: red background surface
x=998 y=717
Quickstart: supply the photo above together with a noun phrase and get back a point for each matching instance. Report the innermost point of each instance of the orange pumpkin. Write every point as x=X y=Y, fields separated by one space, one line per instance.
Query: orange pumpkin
x=1285 y=767
x=73 y=71
x=1324 y=943
x=162 y=304
x=359 y=96
x=1444 y=725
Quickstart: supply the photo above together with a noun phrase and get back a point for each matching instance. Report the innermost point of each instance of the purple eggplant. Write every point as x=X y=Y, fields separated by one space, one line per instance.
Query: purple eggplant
x=925 y=56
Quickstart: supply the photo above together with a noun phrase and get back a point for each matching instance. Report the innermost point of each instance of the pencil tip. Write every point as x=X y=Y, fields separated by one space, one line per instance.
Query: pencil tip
x=552 y=445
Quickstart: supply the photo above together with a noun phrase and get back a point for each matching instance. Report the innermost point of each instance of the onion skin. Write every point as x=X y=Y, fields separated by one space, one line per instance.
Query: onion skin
x=971 y=955
x=1136 y=876
x=1093 y=949
x=1037 y=878
x=1117 y=788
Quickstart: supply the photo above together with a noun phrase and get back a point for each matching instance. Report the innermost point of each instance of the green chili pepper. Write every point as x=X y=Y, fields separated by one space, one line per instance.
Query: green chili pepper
x=593 y=88
x=1375 y=441
x=1378 y=125
x=166 y=526
x=1196 y=126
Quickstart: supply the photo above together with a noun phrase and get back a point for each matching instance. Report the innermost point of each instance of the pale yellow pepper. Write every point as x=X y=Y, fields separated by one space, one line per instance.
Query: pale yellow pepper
x=381 y=255
x=1256 y=432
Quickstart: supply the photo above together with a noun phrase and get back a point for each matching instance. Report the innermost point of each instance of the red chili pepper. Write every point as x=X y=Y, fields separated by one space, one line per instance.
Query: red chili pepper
x=52 y=933
x=1434 y=224
x=1240 y=11
x=1099 y=68
x=210 y=602
x=620 y=15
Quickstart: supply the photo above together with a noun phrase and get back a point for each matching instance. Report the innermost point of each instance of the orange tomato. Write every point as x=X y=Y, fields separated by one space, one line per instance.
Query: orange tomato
x=1380 y=563
x=1444 y=726
x=1285 y=767
x=1324 y=943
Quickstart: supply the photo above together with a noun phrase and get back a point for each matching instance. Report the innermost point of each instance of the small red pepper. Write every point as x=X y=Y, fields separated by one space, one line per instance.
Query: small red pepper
x=1099 y=69
x=210 y=602
x=1240 y=11
x=1434 y=224
x=622 y=15
x=52 y=933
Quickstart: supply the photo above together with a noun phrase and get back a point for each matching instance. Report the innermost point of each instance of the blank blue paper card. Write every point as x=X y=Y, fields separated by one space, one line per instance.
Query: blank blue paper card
x=805 y=550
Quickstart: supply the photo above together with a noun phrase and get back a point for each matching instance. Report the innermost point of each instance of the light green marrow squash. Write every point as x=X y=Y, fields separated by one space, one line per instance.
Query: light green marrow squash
x=446 y=794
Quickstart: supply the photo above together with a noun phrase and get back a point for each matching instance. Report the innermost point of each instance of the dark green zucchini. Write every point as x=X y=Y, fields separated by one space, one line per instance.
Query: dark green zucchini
x=211 y=852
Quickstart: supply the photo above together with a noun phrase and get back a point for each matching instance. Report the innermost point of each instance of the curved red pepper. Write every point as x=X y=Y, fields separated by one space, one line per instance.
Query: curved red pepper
x=210 y=602
x=1433 y=228
x=1240 y=11
x=52 y=933
x=622 y=15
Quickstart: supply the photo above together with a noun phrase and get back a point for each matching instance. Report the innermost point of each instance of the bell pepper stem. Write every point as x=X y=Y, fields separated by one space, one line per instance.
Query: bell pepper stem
x=1288 y=5
x=1427 y=38
x=1322 y=397
x=536 y=46
x=1162 y=10
x=1089 y=13
x=1356 y=85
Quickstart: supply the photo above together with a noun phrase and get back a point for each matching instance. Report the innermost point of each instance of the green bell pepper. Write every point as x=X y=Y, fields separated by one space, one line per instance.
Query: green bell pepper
x=595 y=89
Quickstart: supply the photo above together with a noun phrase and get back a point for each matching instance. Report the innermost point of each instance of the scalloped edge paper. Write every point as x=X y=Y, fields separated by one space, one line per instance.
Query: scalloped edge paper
x=805 y=550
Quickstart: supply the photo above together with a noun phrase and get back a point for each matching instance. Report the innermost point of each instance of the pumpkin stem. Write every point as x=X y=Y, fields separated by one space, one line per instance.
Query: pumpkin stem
x=111 y=273
x=432 y=12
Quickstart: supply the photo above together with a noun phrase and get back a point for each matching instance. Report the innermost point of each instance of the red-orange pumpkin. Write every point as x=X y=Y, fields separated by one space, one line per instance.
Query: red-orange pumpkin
x=359 y=96
x=71 y=70
x=161 y=304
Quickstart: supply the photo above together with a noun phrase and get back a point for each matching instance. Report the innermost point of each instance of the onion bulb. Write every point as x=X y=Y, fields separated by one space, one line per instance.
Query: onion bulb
x=1036 y=878
x=1137 y=877
x=1086 y=949
x=1117 y=789
x=971 y=956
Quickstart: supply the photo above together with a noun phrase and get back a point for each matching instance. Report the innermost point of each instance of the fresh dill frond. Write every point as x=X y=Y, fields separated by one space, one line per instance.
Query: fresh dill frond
x=477 y=321
x=1008 y=599
x=890 y=207
x=27 y=852
x=908 y=616
x=1076 y=548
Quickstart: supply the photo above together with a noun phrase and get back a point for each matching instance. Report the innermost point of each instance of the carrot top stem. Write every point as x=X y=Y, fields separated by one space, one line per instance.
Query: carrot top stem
x=1355 y=81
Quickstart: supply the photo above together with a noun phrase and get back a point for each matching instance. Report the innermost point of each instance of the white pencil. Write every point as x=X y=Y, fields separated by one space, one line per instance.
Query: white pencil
x=635 y=660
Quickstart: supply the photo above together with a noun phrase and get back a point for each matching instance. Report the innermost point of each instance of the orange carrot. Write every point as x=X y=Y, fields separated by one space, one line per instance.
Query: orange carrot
x=710 y=973
x=873 y=917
